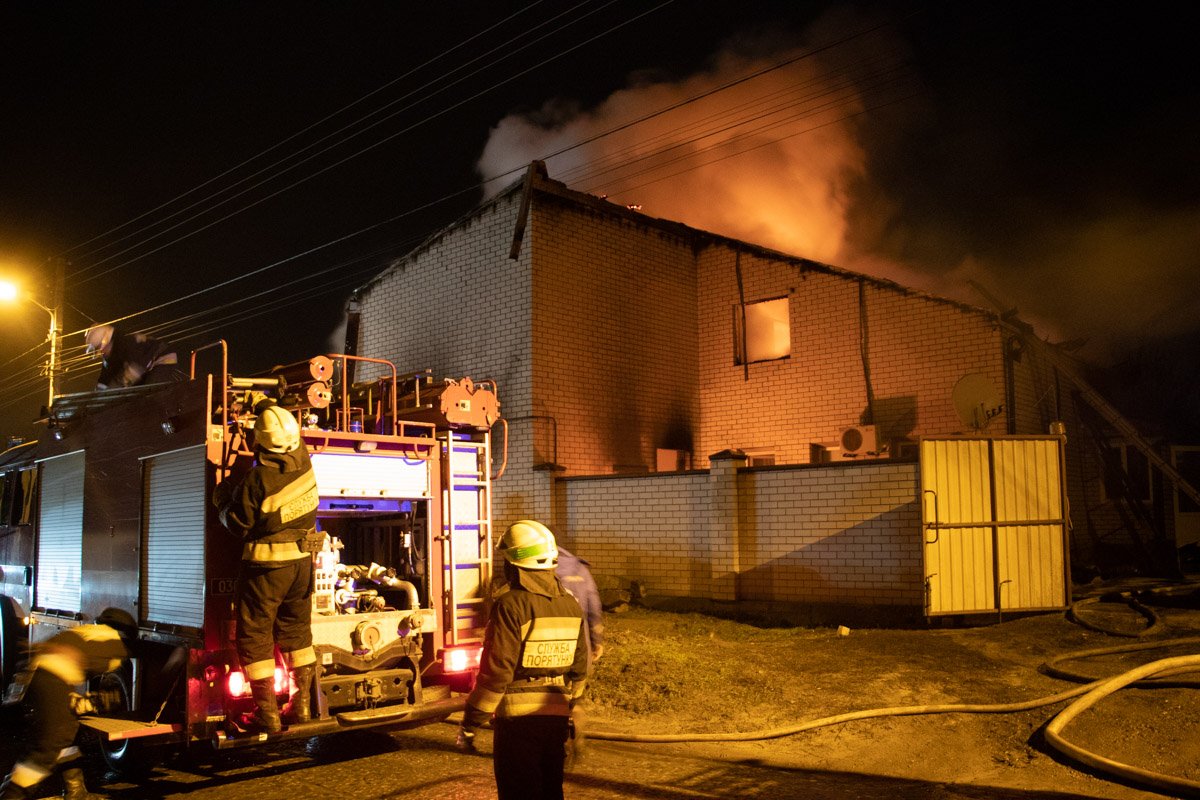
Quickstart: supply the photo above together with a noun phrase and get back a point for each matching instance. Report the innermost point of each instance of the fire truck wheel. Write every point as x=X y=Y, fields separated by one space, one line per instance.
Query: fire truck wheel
x=127 y=756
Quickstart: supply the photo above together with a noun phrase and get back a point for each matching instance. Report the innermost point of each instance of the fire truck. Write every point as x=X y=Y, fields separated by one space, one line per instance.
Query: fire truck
x=112 y=507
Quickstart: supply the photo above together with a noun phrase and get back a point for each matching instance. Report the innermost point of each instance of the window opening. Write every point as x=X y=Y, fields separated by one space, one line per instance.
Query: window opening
x=767 y=334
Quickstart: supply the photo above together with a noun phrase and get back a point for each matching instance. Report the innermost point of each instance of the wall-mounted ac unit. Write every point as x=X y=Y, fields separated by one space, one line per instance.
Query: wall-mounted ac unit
x=859 y=441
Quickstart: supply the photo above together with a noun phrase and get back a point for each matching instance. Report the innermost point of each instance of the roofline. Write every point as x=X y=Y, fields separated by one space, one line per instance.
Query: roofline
x=542 y=183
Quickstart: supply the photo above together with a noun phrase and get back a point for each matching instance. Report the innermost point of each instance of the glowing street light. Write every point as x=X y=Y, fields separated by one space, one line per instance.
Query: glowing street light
x=9 y=293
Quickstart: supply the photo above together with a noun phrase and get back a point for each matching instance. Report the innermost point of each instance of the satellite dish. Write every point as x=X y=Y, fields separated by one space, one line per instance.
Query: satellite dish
x=976 y=400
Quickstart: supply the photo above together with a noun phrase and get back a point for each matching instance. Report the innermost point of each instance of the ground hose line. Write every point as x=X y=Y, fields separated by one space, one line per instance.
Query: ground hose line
x=1091 y=693
x=1155 y=623
x=1132 y=599
x=1096 y=693
x=1053 y=669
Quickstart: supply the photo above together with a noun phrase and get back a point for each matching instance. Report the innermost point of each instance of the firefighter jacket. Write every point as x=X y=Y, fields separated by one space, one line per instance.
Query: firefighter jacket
x=131 y=357
x=534 y=652
x=274 y=508
x=80 y=653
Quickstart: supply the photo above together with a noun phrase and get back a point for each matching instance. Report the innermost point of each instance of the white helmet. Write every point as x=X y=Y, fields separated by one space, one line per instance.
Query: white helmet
x=276 y=430
x=530 y=545
x=98 y=337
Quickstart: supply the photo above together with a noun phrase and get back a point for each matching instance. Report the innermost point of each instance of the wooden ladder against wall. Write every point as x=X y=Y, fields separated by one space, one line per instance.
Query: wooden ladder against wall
x=466 y=532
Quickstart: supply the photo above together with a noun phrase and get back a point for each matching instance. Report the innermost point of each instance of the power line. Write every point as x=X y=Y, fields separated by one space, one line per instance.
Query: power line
x=287 y=139
x=309 y=176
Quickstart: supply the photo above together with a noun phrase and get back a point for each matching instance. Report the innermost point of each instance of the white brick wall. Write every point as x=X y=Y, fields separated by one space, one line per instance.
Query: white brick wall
x=843 y=534
x=917 y=349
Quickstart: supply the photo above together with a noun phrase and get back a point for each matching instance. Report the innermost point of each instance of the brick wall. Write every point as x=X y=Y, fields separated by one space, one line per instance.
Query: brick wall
x=845 y=534
x=460 y=306
x=917 y=349
x=614 y=338
x=649 y=528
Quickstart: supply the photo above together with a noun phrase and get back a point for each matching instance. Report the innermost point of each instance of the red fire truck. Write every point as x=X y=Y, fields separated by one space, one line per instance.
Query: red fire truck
x=116 y=497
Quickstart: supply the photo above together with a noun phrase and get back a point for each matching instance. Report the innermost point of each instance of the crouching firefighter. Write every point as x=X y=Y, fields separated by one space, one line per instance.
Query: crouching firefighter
x=533 y=667
x=59 y=665
x=274 y=510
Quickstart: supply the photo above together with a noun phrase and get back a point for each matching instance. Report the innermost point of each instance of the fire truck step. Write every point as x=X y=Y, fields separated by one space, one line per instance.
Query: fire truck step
x=401 y=713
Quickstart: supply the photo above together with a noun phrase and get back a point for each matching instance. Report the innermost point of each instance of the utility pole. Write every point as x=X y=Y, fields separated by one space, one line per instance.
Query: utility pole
x=55 y=309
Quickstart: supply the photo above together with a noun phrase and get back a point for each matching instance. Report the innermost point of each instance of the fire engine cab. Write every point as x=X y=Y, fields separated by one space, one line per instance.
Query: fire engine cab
x=118 y=493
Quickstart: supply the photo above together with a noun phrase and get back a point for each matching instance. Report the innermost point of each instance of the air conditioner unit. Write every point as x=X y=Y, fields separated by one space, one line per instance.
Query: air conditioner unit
x=859 y=441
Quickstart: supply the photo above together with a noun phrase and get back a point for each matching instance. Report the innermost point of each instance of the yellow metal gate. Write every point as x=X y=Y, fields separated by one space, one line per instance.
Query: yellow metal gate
x=994 y=518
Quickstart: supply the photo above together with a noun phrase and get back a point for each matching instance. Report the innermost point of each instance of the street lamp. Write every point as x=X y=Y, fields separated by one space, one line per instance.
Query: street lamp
x=9 y=292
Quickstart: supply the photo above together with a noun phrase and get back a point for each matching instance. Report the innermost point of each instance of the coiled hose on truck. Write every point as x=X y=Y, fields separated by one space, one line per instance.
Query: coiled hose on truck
x=1088 y=695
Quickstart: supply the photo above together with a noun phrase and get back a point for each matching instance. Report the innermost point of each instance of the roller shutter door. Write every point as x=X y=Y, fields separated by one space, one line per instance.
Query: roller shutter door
x=60 y=534
x=174 y=505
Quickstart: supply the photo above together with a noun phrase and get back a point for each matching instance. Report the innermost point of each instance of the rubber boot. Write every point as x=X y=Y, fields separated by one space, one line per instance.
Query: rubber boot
x=266 y=715
x=74 y=787
x=301 y=708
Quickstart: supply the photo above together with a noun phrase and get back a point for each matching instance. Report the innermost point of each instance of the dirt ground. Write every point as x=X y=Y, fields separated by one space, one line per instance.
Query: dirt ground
x=671 y=673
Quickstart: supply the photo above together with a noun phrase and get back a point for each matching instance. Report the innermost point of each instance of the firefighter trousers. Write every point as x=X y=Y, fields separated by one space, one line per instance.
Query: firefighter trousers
x=274 y=606
x=54 y=722
x=527 y=757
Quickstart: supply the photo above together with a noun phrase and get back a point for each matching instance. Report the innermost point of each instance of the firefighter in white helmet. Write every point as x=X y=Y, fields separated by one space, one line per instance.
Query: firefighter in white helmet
x=533 y=667
x=274 y=510
x=60 y=665
x=132 y=359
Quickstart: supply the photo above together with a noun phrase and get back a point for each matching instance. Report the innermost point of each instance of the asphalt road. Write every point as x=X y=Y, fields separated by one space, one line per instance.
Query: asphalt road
x=422 y=764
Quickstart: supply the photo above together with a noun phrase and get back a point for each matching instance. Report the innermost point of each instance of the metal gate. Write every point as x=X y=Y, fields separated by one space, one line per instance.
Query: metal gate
x=994 y=518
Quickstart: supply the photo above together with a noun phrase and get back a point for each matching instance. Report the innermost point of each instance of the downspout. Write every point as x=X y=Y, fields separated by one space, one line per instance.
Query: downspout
x=864 y=348
x=737 y=268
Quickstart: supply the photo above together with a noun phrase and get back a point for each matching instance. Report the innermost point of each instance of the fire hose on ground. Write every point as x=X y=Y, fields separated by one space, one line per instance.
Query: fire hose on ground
x=1088 y=695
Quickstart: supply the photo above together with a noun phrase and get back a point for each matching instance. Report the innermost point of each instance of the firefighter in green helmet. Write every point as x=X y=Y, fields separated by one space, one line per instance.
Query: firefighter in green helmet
x=532 y=670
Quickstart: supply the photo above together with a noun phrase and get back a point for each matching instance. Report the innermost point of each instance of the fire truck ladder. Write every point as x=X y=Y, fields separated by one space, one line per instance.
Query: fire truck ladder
x=466 y=532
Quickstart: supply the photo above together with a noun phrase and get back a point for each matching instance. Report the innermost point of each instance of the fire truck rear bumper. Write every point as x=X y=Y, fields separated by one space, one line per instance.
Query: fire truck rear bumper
x=394 y=714
x=386 y=716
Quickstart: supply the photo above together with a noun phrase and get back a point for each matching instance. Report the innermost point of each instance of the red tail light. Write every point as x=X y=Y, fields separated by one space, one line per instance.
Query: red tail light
x=461 y=659
x=236 y=684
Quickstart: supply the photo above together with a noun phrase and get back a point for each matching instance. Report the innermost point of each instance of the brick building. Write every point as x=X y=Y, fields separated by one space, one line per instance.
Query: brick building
x=628 y=350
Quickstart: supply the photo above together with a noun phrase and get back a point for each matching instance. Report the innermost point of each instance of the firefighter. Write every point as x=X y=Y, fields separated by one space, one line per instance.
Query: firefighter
x=59 y=665
x=274 y=510
x=534 y=665
x=577 y=579
x=131 y=359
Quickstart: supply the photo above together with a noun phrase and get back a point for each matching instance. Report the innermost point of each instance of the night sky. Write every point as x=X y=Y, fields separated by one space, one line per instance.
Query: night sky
x=1046 y=151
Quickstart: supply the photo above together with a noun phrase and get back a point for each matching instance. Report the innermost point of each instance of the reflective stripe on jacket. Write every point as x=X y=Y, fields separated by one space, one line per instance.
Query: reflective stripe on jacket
x=274 y=506
x=534 y=653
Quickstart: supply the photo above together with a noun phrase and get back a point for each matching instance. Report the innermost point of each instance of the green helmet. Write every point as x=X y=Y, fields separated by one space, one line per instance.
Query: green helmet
x=530 y=545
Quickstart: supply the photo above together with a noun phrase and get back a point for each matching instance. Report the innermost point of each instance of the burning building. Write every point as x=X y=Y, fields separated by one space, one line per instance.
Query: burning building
x=637 y=358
